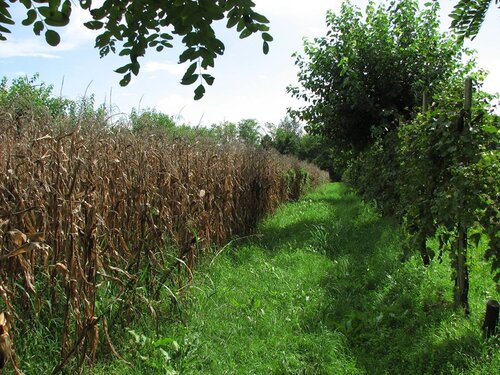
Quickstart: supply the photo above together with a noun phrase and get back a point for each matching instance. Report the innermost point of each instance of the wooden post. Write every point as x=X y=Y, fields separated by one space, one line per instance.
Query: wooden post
x=491 y=318
x=425 y=102
x=462 y=272
x=441 y=246
x=468 y=94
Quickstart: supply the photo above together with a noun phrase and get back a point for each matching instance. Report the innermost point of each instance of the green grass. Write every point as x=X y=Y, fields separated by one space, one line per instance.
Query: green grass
x=320 y=289
x=255 y=310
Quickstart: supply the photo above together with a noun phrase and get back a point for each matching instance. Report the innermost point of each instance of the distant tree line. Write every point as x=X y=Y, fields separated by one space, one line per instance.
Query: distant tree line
x=287 y=137
x=28 y=98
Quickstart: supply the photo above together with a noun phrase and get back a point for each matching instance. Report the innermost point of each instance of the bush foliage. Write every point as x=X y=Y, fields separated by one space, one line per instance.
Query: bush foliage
x=437 y=171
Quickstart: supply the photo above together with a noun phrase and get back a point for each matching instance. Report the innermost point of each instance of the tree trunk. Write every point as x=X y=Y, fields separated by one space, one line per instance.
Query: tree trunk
x=462 y=272
x=491 y=318
x=422 y=246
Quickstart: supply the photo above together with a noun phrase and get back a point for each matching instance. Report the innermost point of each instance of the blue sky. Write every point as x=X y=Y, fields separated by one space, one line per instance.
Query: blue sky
x=247 y=84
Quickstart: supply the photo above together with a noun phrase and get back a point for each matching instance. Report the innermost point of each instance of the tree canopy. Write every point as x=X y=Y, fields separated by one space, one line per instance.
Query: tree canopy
x=130 y=27
x=368 y=73
x=285 y=137
x=248 y=131
x=468 y=16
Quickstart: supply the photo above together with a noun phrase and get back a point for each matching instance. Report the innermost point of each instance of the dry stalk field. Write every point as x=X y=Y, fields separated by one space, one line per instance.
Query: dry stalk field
x=94 y=221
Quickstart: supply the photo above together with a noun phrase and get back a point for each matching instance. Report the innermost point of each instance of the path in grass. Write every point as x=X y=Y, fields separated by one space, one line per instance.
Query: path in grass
x=321 y=290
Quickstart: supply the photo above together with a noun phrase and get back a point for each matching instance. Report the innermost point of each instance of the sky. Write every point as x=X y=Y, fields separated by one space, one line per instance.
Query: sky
x=248 y=84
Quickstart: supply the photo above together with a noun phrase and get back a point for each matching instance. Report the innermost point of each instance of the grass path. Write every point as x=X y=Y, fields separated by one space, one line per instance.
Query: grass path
x=320 y=290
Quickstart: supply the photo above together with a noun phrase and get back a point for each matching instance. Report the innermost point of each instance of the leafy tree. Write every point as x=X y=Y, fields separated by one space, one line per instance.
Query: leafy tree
x=291 y=126
x=28 y=96
x=248 y=131
x=266 y=142
x=318 y=150
x=30 y=101
x=288 y=139
x=367 y=75
x=468 y=16
x=447 y=182
x=133 y=26
x=191 y=133
x=286 y=136
x=151 y=119
x=225 y=131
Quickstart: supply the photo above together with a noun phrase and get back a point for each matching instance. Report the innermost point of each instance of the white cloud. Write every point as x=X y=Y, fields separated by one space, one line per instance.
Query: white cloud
x=75 y=34
x=169 y=67
x=173 y=104
x=26 y=48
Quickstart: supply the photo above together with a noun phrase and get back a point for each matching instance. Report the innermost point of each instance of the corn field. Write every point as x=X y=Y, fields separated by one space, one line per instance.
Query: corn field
x=94 y=221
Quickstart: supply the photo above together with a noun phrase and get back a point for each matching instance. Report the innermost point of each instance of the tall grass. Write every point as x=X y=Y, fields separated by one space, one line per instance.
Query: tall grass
x=96 y=220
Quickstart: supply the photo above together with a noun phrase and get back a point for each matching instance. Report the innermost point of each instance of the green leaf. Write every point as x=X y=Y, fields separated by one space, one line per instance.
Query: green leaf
x=267 y=37
x=123 y=69
x=208 y=79
x=241 y=25
x=199 y=92
x=66 y=8
x=52 y=38
x=245 y=33
x=98 y=13
x=134 y=68
x=190 y=71
x=38 y=27
x=189 y=80
x=261 y=27
x=45 y=11
x=208 y=61
x=265 y=48
x=4 y=30
x=31 y=17
x=163 y=342
x=6 y=17
x=125 y=80
x=58 y=20
x=188 y=54
x=53 y=4
x=217 y=46
x=152 y=38
x=6 y=21
x=94 y=25
x=260 y=18
x=85 y=4
x=231 y=22
x=490 y=129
